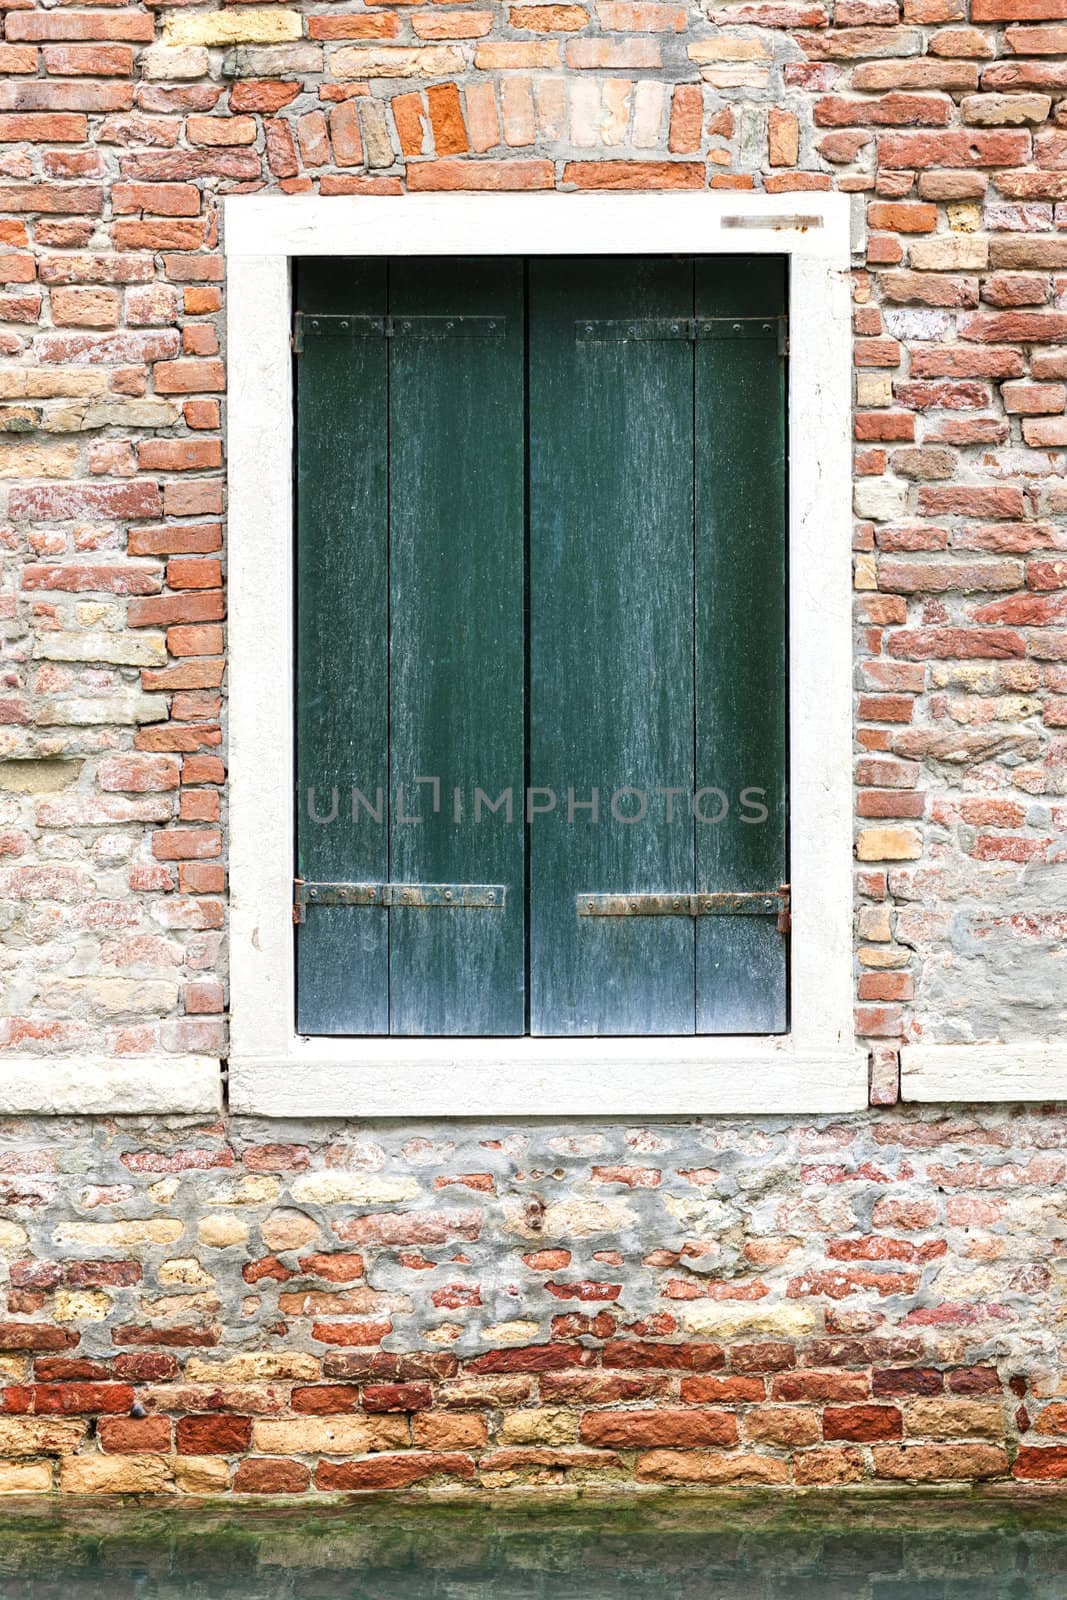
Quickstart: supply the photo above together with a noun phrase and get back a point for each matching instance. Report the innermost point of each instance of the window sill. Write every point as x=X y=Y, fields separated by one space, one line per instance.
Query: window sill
x=548 y=1077
x=99 y=1086
x=976 y=1073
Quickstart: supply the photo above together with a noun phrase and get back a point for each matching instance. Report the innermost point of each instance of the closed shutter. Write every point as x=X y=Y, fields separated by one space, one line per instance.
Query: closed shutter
x=541 y=555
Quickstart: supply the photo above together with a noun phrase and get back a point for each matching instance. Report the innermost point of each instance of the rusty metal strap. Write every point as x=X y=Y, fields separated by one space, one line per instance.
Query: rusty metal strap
x=415 y=896
x=772 y=903
x=627 y=330
x=321 y=326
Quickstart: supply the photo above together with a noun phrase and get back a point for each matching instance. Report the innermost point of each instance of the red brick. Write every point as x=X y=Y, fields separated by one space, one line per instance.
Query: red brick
x=687 y=113
x=178 y=455
x=902 y=217
x=392 y=1471
x=62 y=503
x=186 y=376
x=486 y=175
x=328 y=1399
x=1041 y=1463
x=262 y=94
x=186 y=844
x=176 y=539
x=103 y=1274
x=213 y=1435
x=532 y=1358
x=164 y=610
x=36 y=1336
x=862 y=1424
x=134 y=1435
x=638 y=1354
x=819 y=1387
x=446 y=120
x=264 y=1475
x=345 y=135
x=1001 y=147
x=73 y=1399
x=633 y=174
x=639 y=1430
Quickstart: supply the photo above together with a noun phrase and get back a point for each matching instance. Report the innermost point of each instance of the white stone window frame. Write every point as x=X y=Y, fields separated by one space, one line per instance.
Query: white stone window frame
x=273 y=1071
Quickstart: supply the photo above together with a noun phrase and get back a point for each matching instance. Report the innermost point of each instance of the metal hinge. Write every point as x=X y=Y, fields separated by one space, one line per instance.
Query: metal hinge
x=770 y=903
x=694 y=329
x=307 y=326
x=416 y=896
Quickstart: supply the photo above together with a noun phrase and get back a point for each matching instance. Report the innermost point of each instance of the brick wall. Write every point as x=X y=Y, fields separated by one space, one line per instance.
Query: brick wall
x=120 y=130
x=282 y=1309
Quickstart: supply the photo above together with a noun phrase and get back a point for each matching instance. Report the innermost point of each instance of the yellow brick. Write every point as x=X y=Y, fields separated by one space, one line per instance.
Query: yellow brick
x=115 y=1475
x=30 y=1436
x=873 y=390
x=37 y=460
x=180 y=1307
x=185 y=1270
x=721 y=1320
x=448 y=1430
x=964 y=217
x=396 y=61
x=201 y=1474
x=253 y=1366
x=875 y=924
x=25 y=1477
x=950 y=252
x=288 y=1230
x=504 y=57
x=728 y=49
x=865 y=573
x=106 y=1235
x=739 y=77
x=954 y=1419
x=874 y=955
x=240 y=26
x=352 y=1189
x=12 y=1236
x=545 y=1425
x=43 y=383
x=221 y=1232
x=252 y=1191
x=329 y=1436
x=81 y=1305
x=889 y=844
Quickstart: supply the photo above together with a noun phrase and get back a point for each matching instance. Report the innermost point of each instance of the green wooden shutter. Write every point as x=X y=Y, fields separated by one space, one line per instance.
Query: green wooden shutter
x=342 y=643
x=611 y=638
x=646 y=616
x=456 y=635
x=410 y=638
x=740 y=591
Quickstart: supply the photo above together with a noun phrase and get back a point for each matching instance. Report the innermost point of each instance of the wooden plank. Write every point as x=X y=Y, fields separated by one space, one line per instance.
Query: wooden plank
x=341 y=647
x=611 y=643
x=456 y=641
x=741 y=644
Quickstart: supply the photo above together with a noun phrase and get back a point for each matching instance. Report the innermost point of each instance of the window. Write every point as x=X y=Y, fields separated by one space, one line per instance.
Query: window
x=541 y=674
x=574 y=1059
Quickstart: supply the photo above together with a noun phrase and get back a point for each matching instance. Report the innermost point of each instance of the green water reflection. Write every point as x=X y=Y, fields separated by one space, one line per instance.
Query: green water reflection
x=709 y=1549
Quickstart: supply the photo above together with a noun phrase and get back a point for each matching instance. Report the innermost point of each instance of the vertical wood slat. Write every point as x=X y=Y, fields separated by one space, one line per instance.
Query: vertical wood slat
x=457 y=642
x=611 y=642
x=341 y=645
x=741 y=642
